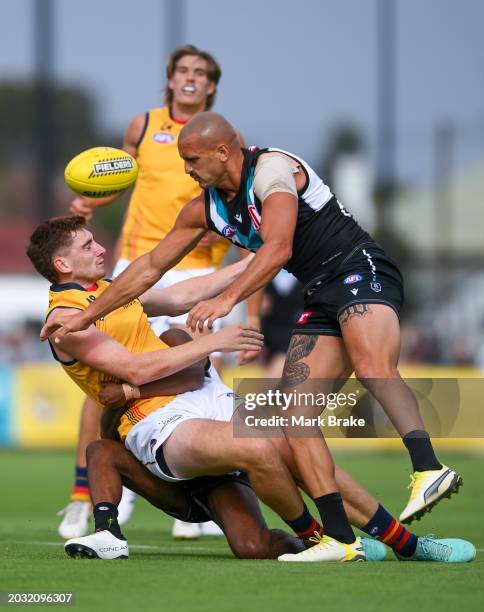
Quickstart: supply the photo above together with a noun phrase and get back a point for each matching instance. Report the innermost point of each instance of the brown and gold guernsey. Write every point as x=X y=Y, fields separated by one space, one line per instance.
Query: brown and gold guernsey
x=161 y=190
x=127 y=325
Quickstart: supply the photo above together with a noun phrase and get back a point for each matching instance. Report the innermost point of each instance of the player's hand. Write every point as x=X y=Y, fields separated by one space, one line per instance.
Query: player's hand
x=112 y=395
x=64 y=323
x=80 y=206
x=245 y=357
x=238 y=338
x=209 y=311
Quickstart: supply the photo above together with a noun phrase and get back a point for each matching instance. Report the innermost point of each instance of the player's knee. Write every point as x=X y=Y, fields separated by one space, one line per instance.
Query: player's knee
x=260 y=455
x=371 y=369
x=252 y=546
x=100 y=448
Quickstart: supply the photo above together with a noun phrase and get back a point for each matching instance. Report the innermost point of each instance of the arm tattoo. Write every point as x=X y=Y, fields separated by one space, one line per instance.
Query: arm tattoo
x=300 y=347
x=356 y=310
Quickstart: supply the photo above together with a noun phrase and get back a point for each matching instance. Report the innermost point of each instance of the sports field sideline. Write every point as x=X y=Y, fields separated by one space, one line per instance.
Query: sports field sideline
x=202 y=575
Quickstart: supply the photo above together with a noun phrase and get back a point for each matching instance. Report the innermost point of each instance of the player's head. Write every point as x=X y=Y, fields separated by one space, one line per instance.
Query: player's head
x=192 y=77
x=63 y=250
x=207 y=143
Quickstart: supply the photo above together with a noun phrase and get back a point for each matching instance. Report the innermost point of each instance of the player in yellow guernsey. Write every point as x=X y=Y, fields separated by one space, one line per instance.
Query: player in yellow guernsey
x=160 y=192
x=122 y=346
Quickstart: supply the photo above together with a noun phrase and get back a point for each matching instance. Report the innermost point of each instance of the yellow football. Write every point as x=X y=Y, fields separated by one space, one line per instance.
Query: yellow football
x=101 y=172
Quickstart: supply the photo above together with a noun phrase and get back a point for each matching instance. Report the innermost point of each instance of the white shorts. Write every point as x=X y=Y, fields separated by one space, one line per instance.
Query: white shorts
x=214 y=402
x=161 y=324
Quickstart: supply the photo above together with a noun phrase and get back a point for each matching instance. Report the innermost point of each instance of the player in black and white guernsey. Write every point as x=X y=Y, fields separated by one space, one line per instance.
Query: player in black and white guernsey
x=272 y=202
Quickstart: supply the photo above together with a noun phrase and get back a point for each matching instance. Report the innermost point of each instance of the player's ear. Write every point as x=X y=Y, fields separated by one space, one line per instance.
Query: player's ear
x=211 y=88
x=223 y=152
x=62 y=265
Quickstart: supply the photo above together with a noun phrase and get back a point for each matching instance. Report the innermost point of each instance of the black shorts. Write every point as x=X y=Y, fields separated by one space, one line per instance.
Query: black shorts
x=197 y=491
x=366 y=276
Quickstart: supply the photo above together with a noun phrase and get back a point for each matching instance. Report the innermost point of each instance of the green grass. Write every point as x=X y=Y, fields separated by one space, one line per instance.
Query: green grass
x=203 y=576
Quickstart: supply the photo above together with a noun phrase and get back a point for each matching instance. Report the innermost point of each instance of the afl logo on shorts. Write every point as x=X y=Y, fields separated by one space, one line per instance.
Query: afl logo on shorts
x=354 y=278
x=163 y=138
x=229 y=231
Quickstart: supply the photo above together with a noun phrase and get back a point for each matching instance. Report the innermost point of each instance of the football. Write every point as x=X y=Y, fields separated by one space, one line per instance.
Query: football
x=101 y=172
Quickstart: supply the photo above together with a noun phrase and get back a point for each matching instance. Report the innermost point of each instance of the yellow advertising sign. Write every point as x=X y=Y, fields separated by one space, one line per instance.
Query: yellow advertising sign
x=46 y=407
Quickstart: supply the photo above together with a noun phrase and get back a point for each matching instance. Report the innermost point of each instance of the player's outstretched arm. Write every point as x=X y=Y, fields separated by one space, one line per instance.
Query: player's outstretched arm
x=85 y=206
x=101 y=352
x=279 y=215
x=181 y=297
x=140 y=275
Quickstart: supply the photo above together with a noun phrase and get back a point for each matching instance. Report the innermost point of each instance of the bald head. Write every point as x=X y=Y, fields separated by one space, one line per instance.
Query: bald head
x=209 y=130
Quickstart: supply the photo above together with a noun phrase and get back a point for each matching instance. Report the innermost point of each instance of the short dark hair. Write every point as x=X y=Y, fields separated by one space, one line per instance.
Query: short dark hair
x=214 y=72
x=48 y=238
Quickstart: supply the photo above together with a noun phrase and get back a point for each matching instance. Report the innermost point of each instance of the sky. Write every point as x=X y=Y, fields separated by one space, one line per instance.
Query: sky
x=291 y=71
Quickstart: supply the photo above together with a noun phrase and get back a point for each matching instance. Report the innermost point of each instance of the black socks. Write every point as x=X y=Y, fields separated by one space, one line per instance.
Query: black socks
x=334 y=519
x=106 y=518
x=421 y=451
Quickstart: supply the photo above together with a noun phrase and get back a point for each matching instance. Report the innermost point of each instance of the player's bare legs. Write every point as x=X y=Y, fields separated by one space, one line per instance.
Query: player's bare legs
x=311 y=454
x=88 y=429
x=371 y=333
x=235 y=507
x=198 y=447
x=303 y=362
x=76 y=514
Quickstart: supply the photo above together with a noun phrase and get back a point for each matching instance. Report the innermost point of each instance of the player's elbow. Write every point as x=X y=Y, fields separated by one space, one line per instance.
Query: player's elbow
x=282 y=253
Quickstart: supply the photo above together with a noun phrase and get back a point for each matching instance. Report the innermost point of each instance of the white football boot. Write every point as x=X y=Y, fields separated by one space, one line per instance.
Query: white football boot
x=126 y=506
x=210 y=528
x=428 y=488
x=76 y=519
x=99 y=545
x=185 y=531
x=328 y=549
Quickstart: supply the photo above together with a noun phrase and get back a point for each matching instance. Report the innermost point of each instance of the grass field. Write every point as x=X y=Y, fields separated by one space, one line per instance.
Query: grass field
x=172 y=576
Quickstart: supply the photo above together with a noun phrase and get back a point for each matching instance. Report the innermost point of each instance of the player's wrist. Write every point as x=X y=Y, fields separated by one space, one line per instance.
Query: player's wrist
x=254 y=321
x=131 y=392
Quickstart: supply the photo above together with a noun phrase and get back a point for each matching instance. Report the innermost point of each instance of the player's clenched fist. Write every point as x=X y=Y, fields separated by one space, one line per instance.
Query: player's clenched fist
x=80 y=206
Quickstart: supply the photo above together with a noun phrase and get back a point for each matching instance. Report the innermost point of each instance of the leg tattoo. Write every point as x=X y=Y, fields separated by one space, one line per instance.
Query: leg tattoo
x=294 y=372
x=356 y=310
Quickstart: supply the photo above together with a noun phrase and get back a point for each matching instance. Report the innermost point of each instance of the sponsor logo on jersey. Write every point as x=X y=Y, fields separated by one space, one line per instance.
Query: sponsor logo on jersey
x=376 y=287
x=107 y=167
x=163 y=137
x=354 y=291
x=254 y=217
x=354 y=278
x=238 y=217
x=304 y=317
x=228 y=231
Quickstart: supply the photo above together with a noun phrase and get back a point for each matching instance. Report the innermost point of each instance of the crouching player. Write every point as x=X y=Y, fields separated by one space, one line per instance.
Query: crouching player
x=178 y=431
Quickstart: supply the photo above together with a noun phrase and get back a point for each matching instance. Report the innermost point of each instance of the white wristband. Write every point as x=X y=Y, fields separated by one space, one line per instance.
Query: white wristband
x=131 y=392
